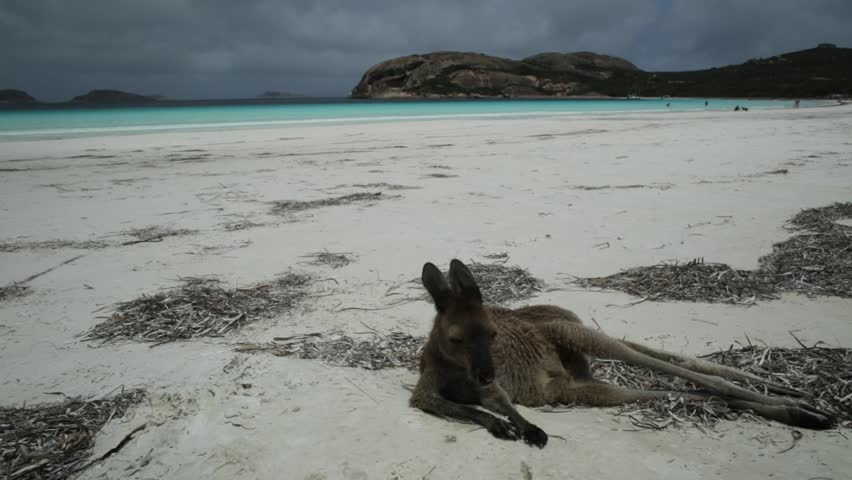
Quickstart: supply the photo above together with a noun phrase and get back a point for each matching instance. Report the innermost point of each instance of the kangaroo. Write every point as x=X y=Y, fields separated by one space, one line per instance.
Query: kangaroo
x=495 y=357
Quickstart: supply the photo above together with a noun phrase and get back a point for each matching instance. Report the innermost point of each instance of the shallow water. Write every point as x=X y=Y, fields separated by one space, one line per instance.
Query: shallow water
x=65 y=120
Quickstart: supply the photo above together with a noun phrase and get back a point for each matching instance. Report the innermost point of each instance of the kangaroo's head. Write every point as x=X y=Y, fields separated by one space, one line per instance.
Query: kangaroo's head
x=463 y=329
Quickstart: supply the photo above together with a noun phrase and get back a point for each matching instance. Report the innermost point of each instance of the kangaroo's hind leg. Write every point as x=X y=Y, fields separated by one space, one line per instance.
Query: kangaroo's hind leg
x=592 y=342
x=575 y=362
x=606 y=395
x=710 y=368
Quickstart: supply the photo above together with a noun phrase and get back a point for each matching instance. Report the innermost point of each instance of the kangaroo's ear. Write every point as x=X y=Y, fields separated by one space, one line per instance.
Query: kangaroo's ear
x=437 y=286
x=462 y=282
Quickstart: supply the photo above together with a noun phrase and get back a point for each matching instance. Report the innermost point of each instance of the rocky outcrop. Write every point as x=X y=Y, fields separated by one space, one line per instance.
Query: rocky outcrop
x=107 y=97
x=817 y=72
x=478 y=75
x=15 y=96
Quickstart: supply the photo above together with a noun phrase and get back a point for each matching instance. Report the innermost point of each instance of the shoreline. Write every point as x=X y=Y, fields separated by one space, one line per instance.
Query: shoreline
x=69 y=105
x=248 y=125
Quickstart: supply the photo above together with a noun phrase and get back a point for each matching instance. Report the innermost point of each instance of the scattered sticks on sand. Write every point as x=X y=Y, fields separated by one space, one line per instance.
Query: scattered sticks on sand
x=816 y=261
x=20 y=288
x=284 y=207
x=200 y=307
x=55 y=441
x=377 y=352
x=10 y=247
x=654 y=186
x=501 y=284
x=237 y=225
x=330 y=259
x=382 y=185
x=154 y=233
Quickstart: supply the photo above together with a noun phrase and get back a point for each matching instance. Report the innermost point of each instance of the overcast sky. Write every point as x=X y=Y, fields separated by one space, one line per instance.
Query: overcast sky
x=56 y=49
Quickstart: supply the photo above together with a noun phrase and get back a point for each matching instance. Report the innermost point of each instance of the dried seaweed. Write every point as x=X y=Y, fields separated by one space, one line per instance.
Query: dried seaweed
x=330 y=259
x=283 y=207
x=654 y=186
x=501 y=284
x=823 y=219
x=238 y=225
x=816 y=261
x=154 y=233
x=378 y=352
x=54 y=441
x=10 y=247
x=14 y=290
x=384 y=185
x=694 y=281
x=201 y=307
x=819 y=264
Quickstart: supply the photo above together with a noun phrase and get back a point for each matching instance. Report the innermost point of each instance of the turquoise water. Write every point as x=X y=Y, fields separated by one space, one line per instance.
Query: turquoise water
x=62 y=122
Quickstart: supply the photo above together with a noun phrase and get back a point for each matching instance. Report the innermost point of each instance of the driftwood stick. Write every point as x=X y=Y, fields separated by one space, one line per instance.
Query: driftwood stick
x=33 y=277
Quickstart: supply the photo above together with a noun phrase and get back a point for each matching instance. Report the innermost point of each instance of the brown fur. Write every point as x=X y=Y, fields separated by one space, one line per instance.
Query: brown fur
x=539 y=355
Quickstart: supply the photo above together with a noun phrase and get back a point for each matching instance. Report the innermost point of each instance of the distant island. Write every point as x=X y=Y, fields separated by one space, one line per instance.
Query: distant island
x=275 y=94
x=106 y=97
x=818 y=72
x=15 y=96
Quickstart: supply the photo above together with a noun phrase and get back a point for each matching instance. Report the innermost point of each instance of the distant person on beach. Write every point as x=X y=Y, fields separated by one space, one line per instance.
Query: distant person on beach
x=737 y=108
x=668 y=105
x=706 y=103
x=745 y=109
x=796 y=103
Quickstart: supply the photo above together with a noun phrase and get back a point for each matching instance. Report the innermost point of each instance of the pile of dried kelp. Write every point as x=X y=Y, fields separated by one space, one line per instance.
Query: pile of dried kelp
x=815 y=261
x=55 y=441
x=199 y=307
x=375 y=352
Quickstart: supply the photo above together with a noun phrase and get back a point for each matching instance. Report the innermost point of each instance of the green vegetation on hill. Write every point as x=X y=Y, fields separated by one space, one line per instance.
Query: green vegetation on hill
x=816 y=72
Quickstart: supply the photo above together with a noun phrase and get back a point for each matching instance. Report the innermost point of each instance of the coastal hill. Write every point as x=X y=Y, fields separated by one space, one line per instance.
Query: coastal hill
x=816 y=72
x=104 y=97
x=15 y=96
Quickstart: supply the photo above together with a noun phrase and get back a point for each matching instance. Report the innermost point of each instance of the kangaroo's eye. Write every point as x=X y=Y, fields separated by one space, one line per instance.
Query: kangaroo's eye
x=456 y=340
x=493 y=335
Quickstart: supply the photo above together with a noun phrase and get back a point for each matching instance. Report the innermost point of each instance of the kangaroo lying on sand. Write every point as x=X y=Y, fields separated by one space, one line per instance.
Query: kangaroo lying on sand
x=539 y=355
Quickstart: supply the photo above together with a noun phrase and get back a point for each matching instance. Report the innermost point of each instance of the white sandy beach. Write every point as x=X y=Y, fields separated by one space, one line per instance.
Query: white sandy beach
x=698 y=187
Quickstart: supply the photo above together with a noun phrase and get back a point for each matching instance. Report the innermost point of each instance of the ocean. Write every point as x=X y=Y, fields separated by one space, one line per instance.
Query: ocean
x=64 y=120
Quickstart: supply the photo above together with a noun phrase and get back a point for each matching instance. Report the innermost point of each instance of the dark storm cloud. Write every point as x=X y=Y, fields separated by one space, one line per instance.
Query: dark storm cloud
x=226 y=48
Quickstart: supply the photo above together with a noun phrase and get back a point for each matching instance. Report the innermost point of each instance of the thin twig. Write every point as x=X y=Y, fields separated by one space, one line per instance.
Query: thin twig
x=34 y=276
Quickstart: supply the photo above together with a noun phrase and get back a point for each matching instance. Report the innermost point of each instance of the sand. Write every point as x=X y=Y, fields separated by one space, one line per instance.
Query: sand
x=675 y=186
